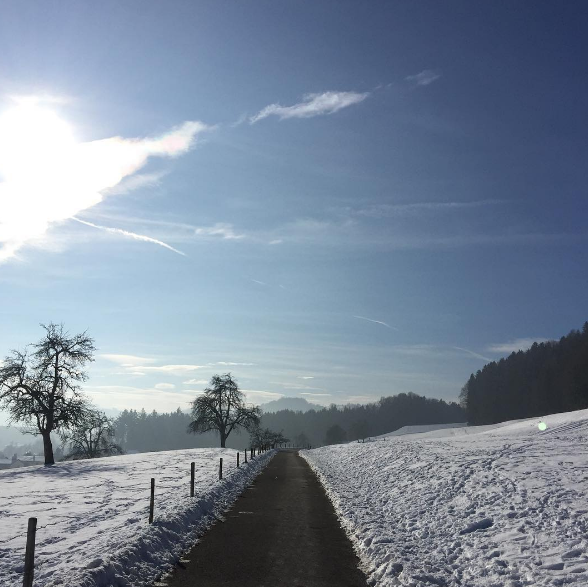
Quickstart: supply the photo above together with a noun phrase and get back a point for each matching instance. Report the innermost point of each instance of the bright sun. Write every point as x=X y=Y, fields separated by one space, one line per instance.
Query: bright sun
x=47 y=176
x=33 y=141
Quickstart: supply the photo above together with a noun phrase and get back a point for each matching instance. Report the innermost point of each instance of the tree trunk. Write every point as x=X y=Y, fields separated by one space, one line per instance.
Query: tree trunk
x=48 y=449
x=223 y=438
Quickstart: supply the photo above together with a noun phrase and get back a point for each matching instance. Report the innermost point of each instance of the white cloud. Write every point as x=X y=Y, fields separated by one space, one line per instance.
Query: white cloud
x=196 y=382
x=317 y=394
x=230 y=364
x=305 y=377
x=376 y=322
x=312 y=105
x=49 y=177
x=135 y=182
x=220 y=229
x=513 y=346
x=172 y=369
x=133 y=235
x=140 y=365
x=164 y=386
x=425 y=77
x=127 y=360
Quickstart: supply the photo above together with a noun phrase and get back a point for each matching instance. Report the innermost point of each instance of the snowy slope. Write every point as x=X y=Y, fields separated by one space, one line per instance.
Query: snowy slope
x=92 y=515
x=503 y=505
x=421 y=428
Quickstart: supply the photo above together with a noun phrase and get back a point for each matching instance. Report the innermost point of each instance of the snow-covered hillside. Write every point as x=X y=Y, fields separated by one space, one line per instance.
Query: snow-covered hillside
x=93 y=515
x=503 y=505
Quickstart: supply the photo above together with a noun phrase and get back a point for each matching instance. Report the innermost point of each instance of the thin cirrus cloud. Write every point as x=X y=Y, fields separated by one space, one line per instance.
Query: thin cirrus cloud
x=127 y=233
x=48 y=176
x=312 y=105
x=424 y=78
x=221 y=230
x=390 y=210
x=513 y=346
x=376 y=322
x=134 y=365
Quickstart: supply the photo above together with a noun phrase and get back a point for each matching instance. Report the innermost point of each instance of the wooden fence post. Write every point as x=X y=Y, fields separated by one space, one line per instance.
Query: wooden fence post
x=152 y=501
x=238 y=460
x=29 y=568
x=220 y=469
x=192 y=479
x=245 y=455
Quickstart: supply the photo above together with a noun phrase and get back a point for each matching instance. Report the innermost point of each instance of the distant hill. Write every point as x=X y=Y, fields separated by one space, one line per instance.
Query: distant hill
x=296 y=404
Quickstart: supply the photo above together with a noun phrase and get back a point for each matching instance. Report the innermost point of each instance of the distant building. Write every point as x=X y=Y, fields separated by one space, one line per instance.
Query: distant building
x=26 y=460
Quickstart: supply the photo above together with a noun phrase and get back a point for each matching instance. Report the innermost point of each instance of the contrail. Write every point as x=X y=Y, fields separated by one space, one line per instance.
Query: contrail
x=458 y=348
x=139 y=237
x=376 y=322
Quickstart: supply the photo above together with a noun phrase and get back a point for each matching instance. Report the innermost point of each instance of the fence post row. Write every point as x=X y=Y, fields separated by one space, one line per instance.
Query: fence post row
x=152 y=501
x=192 y=479
x=220 y=469
x=29 y=567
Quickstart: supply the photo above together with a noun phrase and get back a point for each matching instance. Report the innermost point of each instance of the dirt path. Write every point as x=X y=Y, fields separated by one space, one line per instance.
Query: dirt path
x=283 y=531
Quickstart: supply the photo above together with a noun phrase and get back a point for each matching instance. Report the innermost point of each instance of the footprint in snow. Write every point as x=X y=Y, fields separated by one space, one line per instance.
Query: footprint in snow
x=479 y=525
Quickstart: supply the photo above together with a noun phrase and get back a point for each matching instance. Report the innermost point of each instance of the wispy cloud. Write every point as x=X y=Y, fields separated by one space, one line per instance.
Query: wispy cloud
x=376 y=322
x=432 y=351
x=513 y=346
x=472 y=353
x=425 y=77
x=312 y=105
x=133 y=235
x=386 y=210
x=220 y=229
x=48 y=177
x=305 y=377
x=196 y=382
x=317 y=394
x=134 y=365
x=136 y=182
x=230 y=364
x=127 y=360
x=164 y=386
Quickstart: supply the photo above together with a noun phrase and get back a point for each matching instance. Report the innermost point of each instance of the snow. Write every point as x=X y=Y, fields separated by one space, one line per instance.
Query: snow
x=92 y=528
x=486 y=506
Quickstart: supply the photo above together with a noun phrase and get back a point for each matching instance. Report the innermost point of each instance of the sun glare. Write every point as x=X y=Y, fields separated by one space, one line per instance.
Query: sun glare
x=47 y=176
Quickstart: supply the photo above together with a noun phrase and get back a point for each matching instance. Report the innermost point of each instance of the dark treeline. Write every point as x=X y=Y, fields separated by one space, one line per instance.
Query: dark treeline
x=355 y=422
x=550 y=377
x=142 y=431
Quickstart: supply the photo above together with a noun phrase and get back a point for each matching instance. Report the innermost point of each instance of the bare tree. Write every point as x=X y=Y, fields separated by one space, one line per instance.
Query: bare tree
x=93 y=438
x=261 y=438
x=40 y=386
x=222 y=408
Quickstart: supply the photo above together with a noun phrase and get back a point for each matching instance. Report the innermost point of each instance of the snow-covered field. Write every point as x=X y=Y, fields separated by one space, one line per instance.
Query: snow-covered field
x=93 y=529
x=503 y=505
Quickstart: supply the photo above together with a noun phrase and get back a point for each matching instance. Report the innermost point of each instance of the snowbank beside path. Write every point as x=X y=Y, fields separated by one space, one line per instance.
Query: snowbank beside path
x=488 y=506
x=93 y=529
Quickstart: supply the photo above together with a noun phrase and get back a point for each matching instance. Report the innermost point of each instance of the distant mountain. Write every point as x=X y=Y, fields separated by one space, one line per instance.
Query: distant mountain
x=296 y=404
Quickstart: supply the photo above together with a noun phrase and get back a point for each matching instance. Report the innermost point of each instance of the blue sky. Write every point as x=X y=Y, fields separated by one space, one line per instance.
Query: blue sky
x=331 y=200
